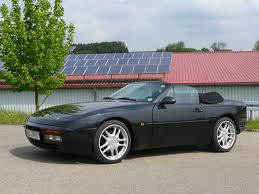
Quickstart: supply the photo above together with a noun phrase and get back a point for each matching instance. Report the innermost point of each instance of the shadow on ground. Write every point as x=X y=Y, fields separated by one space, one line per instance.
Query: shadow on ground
x=167 y=151
x=39 y=155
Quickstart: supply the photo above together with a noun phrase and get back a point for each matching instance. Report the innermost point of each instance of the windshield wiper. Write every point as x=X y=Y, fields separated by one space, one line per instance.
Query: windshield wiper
x=126 y=98
x=108 y=98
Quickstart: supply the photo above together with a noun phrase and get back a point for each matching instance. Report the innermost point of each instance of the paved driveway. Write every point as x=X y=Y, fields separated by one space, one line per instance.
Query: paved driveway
x=27 y=169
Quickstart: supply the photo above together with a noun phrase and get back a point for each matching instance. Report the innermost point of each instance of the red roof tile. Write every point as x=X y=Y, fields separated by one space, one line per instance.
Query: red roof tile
x=215 y=68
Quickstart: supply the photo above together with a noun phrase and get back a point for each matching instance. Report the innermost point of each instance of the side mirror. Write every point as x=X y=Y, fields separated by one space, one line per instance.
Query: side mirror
x=167 y=100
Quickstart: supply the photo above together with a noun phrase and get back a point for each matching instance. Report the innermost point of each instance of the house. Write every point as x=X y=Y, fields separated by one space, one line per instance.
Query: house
x=235 y=75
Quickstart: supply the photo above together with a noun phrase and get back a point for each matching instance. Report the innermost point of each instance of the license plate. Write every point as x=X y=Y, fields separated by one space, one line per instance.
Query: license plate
x=32 y=134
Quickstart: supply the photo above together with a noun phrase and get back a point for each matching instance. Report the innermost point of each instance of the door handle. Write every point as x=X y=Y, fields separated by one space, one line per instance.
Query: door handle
x=197 y=110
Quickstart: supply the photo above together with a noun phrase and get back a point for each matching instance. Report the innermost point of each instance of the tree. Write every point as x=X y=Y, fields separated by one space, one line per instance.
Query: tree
x=33 y=44
x=176 y=47
x=102 y=47
x=205 y=49
x=256 y=46
x=218 y=46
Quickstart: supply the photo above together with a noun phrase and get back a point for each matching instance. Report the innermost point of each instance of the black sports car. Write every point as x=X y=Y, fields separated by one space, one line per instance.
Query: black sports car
x=139 y=116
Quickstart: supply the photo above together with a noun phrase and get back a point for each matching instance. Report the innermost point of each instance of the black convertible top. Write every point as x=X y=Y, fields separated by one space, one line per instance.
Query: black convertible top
x=210 y=98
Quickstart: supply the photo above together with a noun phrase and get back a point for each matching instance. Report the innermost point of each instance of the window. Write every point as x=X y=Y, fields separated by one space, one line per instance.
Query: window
x=147 y=91
x=184 y=94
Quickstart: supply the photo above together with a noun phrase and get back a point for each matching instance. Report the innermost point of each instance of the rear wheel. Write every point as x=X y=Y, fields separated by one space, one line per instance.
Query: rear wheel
x=112 y=142
x=224 y=135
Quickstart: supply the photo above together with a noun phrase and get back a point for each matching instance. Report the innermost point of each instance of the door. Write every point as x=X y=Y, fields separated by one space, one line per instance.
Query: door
x=182 y=123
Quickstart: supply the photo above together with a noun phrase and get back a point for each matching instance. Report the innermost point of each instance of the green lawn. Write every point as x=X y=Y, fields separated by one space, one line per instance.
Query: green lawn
x=7 y=117
x=252 y=125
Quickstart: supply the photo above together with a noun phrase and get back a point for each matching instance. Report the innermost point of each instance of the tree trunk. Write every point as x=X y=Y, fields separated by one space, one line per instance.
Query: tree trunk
x=37 y=106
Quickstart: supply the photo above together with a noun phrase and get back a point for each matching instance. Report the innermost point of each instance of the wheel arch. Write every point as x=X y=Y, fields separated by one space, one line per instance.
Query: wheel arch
x=230 y=116
x=128 y=125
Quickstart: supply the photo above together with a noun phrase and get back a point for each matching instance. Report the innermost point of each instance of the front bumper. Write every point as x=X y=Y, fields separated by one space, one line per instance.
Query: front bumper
x=77 y=142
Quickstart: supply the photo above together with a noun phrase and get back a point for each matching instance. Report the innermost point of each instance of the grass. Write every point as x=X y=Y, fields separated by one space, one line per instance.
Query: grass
x=252 y=125
x=14 y=118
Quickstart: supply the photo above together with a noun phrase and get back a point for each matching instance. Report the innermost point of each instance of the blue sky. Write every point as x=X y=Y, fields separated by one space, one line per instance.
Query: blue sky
x=150 y=24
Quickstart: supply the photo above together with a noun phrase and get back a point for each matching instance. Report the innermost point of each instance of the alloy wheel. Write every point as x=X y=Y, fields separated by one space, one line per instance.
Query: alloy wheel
x=226 y=134
x=113 y=142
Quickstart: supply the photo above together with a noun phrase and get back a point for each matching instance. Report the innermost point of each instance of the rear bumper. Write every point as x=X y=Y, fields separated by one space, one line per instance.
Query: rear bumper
x=73 y=141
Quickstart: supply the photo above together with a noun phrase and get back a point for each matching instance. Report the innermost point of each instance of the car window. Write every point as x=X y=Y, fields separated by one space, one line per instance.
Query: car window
x=147 y=91
x=184 y=94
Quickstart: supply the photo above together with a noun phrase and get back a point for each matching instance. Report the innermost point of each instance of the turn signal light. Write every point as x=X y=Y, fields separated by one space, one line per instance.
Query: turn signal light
x=52 y=131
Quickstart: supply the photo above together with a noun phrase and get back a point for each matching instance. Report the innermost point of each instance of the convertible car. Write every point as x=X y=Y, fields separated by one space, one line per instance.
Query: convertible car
x=139 y=116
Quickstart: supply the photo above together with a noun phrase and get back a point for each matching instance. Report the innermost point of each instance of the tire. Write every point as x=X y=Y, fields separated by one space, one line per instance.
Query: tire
x=224 y=135
x=111 y=136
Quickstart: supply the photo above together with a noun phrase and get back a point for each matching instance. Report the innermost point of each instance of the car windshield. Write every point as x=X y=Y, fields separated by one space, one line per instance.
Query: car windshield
x=147 y=92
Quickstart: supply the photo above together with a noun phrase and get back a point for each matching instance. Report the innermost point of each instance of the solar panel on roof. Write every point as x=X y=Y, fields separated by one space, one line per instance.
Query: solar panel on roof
x=122 y=62
x=79 y=71
x=109 y=56
x=167 y=54
x=151 y=69
x=101 y=62
x=165 y=61
x=138 y=55
x=91 y=62
x=91 y=70
x=81 y=56
x=133 y=61
x=103 y=70
x=127 y=69
x=139 y=69
x=147 y=54
x=72 y=57
x=70 y=63
x=157 y=54
x=68 y=70
x=90 y=56
x=100 y=56
x=115 y=70
x=118 y=55
x=128 y=55
x=112 y=62
x=80 y=62
x=119 y=63
x=163 y=68
x=144 y=61
x=155 y=61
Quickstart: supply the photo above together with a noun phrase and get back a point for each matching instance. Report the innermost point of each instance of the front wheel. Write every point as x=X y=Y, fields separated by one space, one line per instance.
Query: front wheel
x=112 y=142
x=224 y=135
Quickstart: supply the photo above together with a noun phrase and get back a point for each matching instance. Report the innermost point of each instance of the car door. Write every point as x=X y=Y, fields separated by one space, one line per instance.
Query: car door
x=182 y=123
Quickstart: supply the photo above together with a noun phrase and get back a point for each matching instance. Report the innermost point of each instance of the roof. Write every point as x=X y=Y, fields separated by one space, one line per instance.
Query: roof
x=233 y=68
x=215 y=68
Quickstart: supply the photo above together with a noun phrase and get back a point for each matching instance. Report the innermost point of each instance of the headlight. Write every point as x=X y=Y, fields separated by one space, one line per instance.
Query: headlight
x=56 y=138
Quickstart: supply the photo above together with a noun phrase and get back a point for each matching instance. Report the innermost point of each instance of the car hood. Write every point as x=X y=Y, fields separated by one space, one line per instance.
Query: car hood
x=68 y=112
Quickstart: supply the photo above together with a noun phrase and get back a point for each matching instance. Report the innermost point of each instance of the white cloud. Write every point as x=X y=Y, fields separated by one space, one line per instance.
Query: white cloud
x=149 y=24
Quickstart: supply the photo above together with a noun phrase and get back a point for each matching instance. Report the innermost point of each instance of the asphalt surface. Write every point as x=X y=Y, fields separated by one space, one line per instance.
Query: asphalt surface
x=27 y=169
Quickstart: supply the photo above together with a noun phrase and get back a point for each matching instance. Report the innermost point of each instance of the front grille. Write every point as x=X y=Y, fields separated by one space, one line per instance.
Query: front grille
x=44 y=145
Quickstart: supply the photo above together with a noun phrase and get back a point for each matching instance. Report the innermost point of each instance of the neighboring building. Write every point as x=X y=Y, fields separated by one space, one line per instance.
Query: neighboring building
x=91 y=77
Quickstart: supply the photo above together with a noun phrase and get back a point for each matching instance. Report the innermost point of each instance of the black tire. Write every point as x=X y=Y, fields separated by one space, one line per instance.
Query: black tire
x=215 y=145
x=97 y=152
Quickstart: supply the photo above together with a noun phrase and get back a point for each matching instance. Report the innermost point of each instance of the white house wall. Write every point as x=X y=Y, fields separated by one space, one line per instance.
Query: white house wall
x=24 y=101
